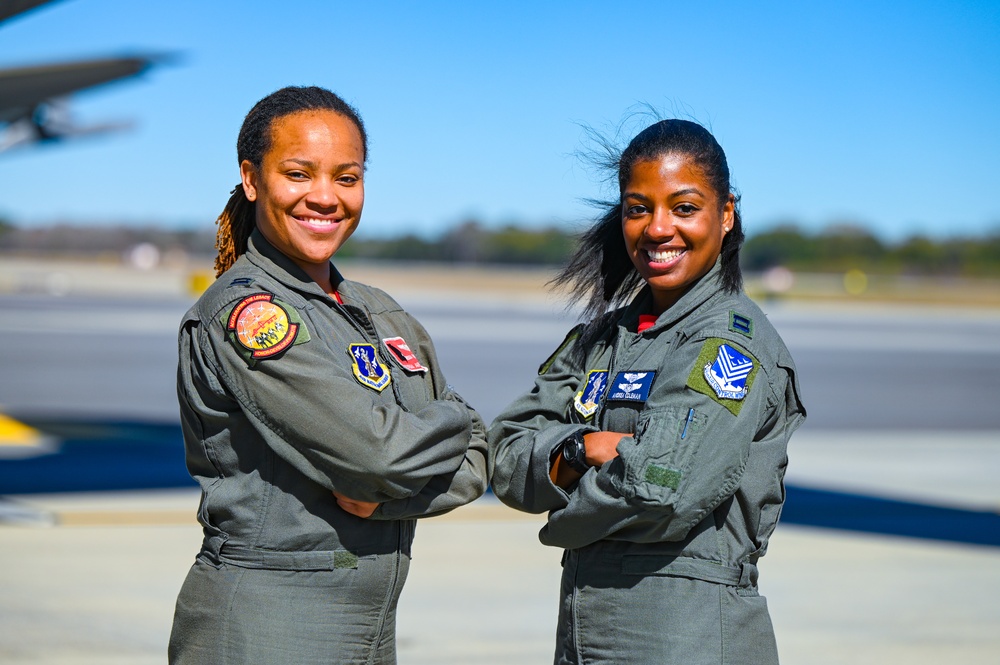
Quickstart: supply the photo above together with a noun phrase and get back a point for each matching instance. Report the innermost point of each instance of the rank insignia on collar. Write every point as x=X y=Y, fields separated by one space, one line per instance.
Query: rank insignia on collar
x=367 y=368
x=631 y=386
x=724 y=372
x=262 y=327
x=586 y=400
x=401 y=352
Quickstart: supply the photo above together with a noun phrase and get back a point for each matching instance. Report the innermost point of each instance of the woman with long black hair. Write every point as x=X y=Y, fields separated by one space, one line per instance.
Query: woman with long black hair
x=655 y=435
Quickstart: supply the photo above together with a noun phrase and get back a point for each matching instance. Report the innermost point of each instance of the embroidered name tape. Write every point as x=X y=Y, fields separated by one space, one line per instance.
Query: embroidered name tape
x=631 y=386
x=586 y=400
x=367 y=368
x=400 y=350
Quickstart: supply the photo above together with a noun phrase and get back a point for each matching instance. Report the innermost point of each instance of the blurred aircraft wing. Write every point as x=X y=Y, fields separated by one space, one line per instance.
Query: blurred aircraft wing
x=22 y=89
x=10 y=8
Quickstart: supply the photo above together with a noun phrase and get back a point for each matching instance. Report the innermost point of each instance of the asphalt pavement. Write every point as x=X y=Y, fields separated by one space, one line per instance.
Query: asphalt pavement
x=902 y=408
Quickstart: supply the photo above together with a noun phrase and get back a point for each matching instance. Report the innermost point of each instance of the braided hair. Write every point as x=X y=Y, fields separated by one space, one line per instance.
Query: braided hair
x=238 y=218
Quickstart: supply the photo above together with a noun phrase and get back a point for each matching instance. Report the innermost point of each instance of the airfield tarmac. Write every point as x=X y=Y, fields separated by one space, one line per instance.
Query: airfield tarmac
x=901 y=401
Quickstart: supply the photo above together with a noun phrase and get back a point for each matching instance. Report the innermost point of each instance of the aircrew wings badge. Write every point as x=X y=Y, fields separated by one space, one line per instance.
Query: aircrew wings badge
x=724 y=372
x=586 y=400
x=262 y=327
x=367 y=368
x=631 y=386
x=401 y=352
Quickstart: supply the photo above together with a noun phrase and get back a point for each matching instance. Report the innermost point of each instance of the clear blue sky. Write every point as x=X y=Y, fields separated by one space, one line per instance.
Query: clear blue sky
x=882 y=113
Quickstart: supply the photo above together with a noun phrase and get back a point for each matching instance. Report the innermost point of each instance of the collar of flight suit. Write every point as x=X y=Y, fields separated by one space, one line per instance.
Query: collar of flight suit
x=271 y=260
x=700 y=292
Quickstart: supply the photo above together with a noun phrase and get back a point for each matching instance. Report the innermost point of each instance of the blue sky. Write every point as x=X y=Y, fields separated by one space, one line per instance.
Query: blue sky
x=879 y=113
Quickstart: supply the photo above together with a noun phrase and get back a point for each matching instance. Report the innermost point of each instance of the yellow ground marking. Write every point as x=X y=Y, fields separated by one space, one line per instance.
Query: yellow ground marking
x=14 y=433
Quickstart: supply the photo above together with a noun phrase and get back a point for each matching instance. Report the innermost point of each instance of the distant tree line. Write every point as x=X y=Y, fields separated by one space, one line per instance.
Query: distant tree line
x=470 y=242
x=842 y=248
x=835 y=249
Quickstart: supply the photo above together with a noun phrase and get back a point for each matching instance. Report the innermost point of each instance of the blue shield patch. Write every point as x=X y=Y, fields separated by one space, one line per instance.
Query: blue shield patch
x=367 y=369
x=727 y=375
x=586 y=400
x=631 y=386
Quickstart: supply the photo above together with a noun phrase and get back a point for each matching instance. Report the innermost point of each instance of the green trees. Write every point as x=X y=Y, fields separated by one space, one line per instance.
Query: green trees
x=845 y=247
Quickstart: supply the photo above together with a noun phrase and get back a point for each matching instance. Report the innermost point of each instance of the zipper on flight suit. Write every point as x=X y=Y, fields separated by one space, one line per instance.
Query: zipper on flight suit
x=367 y=332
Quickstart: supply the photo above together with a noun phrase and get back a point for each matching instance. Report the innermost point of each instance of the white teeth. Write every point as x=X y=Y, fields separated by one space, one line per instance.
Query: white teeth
x=663 y=257
x=318 y=222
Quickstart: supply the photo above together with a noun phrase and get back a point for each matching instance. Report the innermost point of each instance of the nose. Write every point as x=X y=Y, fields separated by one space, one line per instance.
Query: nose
x=323 y=193
x=661 y=225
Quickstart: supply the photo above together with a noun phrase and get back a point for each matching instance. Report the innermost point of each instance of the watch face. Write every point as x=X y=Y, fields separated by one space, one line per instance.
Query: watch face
x=574 y=453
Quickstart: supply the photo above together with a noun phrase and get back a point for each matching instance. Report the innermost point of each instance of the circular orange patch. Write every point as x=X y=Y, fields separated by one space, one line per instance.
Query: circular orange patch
x=262 y=326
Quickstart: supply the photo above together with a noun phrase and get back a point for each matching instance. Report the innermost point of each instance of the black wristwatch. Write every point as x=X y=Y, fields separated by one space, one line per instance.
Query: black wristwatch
x=574 y=452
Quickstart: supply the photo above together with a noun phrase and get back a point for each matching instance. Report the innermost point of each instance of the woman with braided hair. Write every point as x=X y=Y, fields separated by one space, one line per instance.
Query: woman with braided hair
x=315 y=415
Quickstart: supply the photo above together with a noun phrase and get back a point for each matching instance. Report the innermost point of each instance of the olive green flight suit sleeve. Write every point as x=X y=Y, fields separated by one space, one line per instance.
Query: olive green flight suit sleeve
x=314 y=414
x=449 y=491
x=445 y=492
x=525 y=436
x=688 y=454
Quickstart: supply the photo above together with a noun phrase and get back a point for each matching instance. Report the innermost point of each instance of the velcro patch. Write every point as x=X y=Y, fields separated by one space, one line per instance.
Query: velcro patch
x=631 y=386
x=262 y=327
x=658 y=475
x=725 y=372
x=401 y=352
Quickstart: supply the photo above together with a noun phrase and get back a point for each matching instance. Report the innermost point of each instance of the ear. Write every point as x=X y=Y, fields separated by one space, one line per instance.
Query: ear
x=728 y=214
x=248 y=174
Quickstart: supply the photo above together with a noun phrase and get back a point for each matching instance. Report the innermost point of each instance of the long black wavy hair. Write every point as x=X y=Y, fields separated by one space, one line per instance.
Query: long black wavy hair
x=601 y=250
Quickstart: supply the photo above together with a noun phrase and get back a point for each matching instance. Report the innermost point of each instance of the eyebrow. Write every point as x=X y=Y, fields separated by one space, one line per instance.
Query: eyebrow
x=306 y=162
x=679 y=192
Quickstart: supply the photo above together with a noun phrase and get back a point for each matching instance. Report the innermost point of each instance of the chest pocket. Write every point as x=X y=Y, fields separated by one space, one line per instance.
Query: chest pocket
x=660 y=455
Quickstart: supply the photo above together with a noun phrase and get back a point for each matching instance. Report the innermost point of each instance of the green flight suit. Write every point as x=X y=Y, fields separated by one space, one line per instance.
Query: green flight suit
x=286 y=395
x=662 y=541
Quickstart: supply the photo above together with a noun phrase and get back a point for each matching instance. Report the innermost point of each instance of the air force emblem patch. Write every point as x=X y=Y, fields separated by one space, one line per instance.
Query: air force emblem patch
x=586 y=400
x=367 y=368
x=724 y=372
x=631 y=386
x=728 y=374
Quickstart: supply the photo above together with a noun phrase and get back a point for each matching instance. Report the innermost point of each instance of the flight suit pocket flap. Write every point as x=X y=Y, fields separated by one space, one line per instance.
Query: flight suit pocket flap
x=659 y=454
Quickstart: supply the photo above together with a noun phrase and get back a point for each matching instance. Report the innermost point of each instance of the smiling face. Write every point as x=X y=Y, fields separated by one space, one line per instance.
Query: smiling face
x=309 y=189
x=673 y=223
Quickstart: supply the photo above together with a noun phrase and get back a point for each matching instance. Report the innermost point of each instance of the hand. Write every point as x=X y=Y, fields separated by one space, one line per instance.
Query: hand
x=363 y=509
x=602 y=446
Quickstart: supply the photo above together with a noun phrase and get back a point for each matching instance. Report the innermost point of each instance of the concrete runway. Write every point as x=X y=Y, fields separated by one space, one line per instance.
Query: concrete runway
x=902 y=405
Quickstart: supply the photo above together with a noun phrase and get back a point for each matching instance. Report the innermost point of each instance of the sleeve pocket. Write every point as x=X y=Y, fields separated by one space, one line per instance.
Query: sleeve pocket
x=658 y=456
